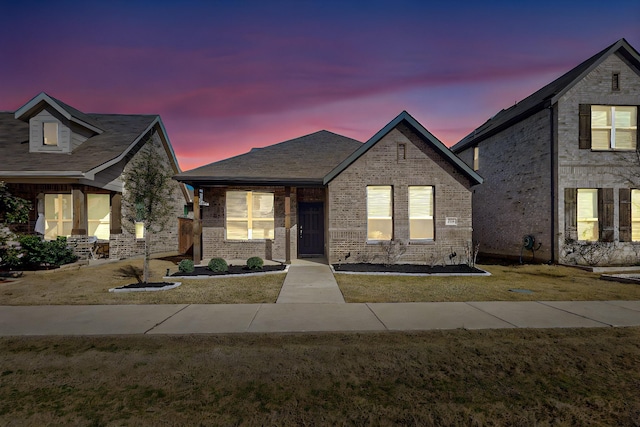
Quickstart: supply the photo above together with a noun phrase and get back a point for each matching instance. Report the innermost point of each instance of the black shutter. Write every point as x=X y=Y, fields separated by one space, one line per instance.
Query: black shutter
x=624 y=217
x=605 y=214
x=570 y=213
x=584 y=126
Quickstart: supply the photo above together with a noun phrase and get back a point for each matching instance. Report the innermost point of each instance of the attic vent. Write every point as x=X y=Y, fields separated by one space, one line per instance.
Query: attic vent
x=615 y=81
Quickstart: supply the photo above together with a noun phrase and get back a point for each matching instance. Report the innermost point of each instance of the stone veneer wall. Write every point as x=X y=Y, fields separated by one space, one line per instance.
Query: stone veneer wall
x=347 y=233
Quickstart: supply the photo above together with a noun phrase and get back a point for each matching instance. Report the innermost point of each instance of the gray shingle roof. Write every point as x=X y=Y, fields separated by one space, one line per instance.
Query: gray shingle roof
x=546 y=96
x=301 y=161
x=120 y=131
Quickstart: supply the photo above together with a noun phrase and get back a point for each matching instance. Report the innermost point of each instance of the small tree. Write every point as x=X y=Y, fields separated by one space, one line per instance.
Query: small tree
x=148 y=195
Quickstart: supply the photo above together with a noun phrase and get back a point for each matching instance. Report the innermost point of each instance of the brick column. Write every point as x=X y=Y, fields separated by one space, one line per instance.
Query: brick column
x=197 y=227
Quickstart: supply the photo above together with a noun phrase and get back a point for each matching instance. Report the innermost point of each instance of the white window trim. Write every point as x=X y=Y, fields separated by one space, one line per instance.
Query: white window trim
x=249 y=219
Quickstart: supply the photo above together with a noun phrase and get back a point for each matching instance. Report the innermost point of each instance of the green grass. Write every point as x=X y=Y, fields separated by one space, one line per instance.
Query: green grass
x=458 y=378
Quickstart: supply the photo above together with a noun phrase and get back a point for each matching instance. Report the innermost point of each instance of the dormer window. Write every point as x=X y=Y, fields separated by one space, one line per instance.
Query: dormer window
x=50 y=134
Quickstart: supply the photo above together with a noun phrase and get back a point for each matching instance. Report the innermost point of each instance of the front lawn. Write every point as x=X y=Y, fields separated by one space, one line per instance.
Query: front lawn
x=547 y=283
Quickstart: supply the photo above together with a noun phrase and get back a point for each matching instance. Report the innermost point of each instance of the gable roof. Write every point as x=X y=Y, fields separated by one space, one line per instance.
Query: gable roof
x=36 y=103
x=119 y=135
x=548 y=95
x=426 y=136
x=300 y=161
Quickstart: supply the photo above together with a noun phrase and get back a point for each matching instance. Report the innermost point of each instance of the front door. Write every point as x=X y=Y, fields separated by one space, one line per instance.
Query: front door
x=310 y=229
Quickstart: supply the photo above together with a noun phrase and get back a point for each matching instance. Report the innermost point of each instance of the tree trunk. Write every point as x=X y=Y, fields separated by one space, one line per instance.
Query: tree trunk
x=145 y=267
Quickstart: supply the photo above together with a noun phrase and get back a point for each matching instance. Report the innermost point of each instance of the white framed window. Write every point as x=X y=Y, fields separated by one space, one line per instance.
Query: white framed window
x=99 y=215
x=58 y=215
x=379 y=212
x=587 y=211
x=635 y=215
x=249 y=215
x=421 y=225
x=613 y=127
x=50 y=133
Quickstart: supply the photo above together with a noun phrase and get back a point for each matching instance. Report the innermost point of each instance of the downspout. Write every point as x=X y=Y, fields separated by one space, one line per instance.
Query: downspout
x=553 y=182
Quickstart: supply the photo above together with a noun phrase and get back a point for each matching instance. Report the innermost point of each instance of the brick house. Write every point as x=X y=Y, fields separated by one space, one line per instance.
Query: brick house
x=69 y=165
x=562 y=166
x=328 y=195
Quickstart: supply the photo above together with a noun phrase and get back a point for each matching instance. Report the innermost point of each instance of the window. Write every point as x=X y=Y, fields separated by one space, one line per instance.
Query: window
x=99 y=215
x=613 y=127
x=379 y=212
x=587 y=208
x=250 y=215
x=421 y=212
x=476 y=158
x=50 y=133
x=635 y=215
x=58 y=215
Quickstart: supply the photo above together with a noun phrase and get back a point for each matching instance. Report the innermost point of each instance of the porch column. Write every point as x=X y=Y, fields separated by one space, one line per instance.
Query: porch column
x=197 y=227
x=80 y=222
x=116 y=214
x=287 y=224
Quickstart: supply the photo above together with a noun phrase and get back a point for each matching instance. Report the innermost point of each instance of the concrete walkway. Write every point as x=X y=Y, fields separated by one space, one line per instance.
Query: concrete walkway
x=310 y=281
x=328 y=317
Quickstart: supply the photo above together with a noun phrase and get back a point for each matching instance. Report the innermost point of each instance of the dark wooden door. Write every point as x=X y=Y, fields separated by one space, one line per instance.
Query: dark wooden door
x=310 y=229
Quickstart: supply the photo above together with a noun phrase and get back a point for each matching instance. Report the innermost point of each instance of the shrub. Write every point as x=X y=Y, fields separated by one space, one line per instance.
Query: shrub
x=186 y=266
x=255 y=263
x=218 y=265
x=37 y=252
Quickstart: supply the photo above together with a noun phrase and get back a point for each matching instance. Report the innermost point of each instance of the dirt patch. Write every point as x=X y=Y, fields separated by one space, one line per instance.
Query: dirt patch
x=407 y=269
x=233 y=269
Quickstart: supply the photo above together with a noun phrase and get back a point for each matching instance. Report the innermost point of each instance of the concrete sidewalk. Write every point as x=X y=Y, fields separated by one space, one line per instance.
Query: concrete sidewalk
x=310 y=281
x=329 y=317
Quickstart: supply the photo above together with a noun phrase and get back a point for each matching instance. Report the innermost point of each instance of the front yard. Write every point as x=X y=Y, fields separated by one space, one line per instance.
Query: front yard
x=90 y=285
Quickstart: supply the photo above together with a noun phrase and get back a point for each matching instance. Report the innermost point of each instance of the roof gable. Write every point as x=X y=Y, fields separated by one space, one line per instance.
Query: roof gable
x=29 y=109
x=548 y=95
x=406 y=118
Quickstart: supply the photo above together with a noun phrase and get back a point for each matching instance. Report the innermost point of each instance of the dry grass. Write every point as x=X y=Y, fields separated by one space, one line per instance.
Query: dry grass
x=91 y=284
x=548 y=283
x=456 y=378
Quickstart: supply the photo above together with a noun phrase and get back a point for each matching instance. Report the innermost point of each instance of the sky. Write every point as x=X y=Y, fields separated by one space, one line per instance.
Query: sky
x=227 y=76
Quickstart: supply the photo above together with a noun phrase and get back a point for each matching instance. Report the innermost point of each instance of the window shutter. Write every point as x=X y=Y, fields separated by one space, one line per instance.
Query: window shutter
x=570 y=213
x=624 y=217
x=585 y=126
x=637 y=127
x=605 y=214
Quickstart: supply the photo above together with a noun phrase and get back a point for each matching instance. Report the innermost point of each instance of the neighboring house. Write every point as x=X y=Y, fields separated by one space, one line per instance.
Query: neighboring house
x=328 y=195
x=562 y=166
x=69 y=165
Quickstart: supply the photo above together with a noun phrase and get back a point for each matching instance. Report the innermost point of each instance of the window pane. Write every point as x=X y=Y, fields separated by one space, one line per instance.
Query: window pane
x=237 y=204
x=237 y=230
x=262 y=229
x=421 y=212
x=379 y=213
x=635 y=215
x=600 y=139
x=58 y=215
x=625 y=117
x=50 y=133
x=600 y=116
x=99 y=215
x=587 y=214
x=262 y=205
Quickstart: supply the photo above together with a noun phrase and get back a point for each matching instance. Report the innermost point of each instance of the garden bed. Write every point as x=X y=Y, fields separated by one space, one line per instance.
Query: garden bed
x=233 y=270
x=364 y=268
x=146 y=287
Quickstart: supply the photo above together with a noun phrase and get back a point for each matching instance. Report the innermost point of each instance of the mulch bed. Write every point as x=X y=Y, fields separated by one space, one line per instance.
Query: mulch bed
x=146 y=285
x=233 y=269
x=407 y=268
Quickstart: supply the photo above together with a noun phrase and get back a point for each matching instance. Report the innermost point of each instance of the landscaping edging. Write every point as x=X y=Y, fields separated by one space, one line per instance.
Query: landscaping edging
x=216 y=276
x=146 y=289
x=425 y=274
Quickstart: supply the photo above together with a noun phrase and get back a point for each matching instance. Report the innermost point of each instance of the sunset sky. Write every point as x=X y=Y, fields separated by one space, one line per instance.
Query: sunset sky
x=226 y=76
